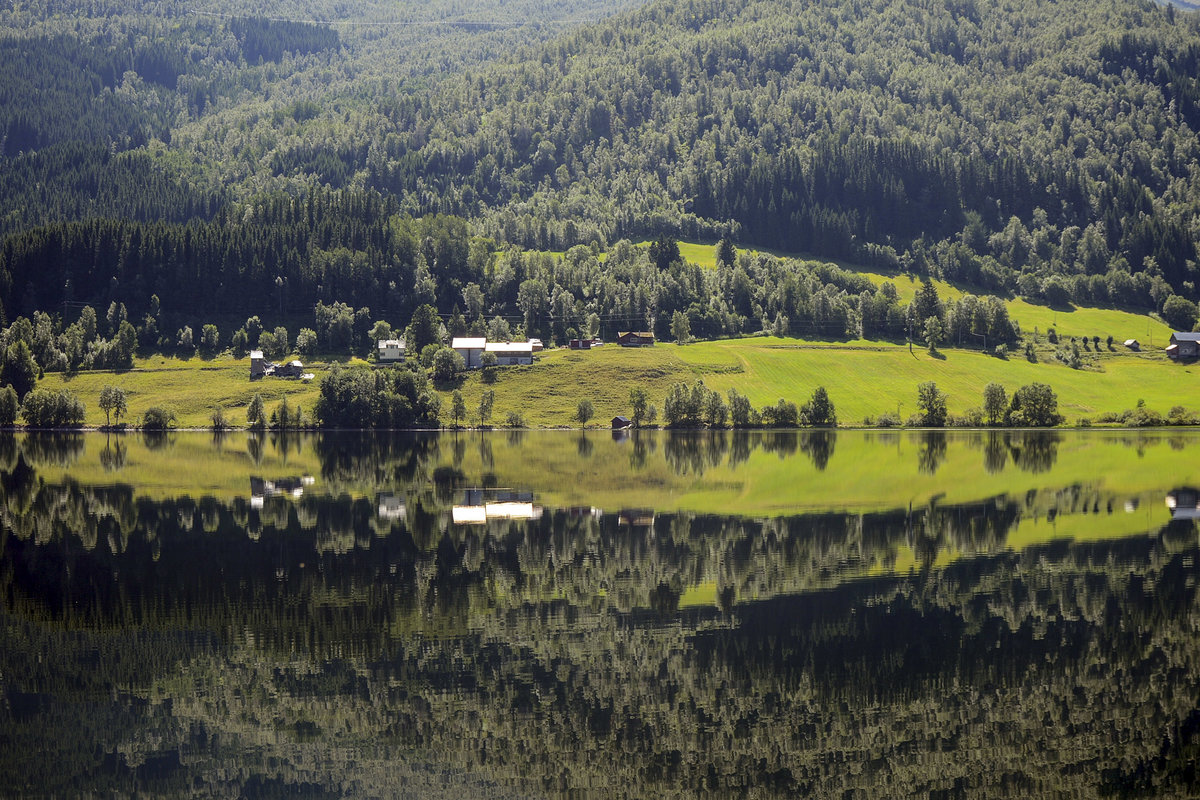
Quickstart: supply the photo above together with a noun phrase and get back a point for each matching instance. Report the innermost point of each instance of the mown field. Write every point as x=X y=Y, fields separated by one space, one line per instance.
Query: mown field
x=864 y=379
x=193 y=388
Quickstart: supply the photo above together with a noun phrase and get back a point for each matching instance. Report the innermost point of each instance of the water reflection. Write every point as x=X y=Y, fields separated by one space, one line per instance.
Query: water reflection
x=814 y=613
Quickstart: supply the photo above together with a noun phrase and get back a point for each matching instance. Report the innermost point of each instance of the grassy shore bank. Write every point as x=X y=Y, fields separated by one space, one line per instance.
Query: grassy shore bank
x=863 y=378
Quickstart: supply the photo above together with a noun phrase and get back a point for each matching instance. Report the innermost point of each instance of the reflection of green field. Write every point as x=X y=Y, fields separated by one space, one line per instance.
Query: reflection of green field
x=867 y=472
x=863 y=378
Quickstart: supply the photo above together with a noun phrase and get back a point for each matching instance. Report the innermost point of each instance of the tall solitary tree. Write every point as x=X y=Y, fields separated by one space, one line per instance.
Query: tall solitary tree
x=584 y=412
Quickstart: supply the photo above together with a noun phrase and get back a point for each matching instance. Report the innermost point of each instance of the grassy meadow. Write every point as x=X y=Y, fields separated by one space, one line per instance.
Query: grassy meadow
x=864 y=379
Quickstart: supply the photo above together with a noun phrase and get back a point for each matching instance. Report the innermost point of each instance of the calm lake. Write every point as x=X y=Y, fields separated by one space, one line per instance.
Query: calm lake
x=550 y=614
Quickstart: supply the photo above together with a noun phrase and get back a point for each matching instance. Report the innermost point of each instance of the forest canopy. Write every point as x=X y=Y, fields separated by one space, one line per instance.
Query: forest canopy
x=1035 y=148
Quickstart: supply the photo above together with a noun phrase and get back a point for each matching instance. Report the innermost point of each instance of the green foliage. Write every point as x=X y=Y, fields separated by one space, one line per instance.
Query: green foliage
x=995 y=403
x=458 y=408
x=256 y=413
x=638 y=402
x=306 y=341
x=584 y=411
x=114 y=403
x=423 y=329
x=487 y=399
x=681 y=329
x=395 y=397
x=1034 y=405
x=1179 y=312
x=784 y=414
x=46 y=408
x=685 y=407
x=934 y=333
x=19 y=370
x=819 y=409
x=158 y=418
x=210 y=338
x=10 y=406
x=446 y=364
x=931 y=405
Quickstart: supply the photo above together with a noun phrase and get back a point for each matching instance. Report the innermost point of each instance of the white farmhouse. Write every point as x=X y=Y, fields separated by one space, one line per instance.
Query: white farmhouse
x=391 y=351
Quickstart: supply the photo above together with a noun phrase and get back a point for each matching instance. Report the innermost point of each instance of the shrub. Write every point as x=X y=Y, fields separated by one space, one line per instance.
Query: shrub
x=514 y=420
x=157 y=418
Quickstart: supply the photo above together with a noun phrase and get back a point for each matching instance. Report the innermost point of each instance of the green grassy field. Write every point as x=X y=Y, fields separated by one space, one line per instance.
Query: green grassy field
x=193 y=388
x=863 y=378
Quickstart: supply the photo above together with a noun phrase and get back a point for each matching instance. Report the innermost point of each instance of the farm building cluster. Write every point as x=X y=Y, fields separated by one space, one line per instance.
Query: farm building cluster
x=261 y=368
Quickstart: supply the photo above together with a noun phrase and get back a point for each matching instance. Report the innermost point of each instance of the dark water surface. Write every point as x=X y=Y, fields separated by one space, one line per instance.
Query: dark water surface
x=557 y=614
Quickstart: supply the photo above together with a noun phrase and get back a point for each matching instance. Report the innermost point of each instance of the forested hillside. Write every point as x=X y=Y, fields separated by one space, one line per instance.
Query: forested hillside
x=1046 y=149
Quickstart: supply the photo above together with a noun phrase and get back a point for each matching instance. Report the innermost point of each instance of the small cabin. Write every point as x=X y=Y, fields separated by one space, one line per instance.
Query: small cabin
x=1184 y=345
x=258 y=364
x=619 y=423
x=635 y=338
x=390 y=351
x=471 y=350
x=510 y=353
x=537 y=345
x=1134 y=345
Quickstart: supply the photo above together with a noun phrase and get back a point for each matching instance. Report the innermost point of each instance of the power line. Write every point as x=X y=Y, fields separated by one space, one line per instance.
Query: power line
x=433 y=23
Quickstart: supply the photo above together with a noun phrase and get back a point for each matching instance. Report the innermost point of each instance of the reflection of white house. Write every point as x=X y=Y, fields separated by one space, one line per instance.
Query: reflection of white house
x=1184 y=504
x=509 y=353
x=391 y=507
x=499 y=504
x=471 y=350
x=391 y=351
x=261 y=488
x=512 y=511
x=468 y=515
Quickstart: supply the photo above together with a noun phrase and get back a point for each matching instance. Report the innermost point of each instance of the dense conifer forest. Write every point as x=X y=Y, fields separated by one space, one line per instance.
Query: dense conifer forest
x=1046 y=149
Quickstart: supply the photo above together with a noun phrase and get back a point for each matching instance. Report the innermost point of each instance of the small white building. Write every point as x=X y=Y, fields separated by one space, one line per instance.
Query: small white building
x=471 y=350
x=510 y=353
x=258 y=364
x=391 y=351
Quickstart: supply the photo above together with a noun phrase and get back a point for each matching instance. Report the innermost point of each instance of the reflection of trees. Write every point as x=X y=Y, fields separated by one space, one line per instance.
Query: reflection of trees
x=1033 y=451
x=818 y=445
x=584 y=446
x=52 y=449
x=931 y=451
x=157 y=439
x=995 y=452
x=762 y=648
x=112 y=457
x=694 y=452
x=380 y=649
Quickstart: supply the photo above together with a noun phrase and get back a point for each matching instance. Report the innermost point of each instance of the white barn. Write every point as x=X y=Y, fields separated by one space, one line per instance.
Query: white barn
x=471 y=350
x=510 y=353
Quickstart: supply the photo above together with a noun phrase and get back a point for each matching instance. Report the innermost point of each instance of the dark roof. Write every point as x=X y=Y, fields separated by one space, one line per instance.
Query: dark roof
x=1188 y=336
